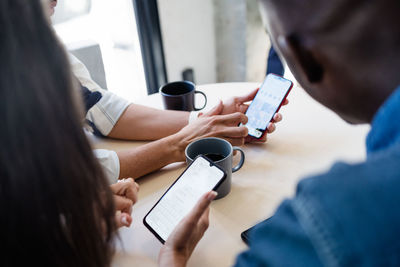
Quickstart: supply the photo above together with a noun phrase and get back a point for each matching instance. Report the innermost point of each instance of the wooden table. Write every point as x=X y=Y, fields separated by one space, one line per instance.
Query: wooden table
x=308 y=140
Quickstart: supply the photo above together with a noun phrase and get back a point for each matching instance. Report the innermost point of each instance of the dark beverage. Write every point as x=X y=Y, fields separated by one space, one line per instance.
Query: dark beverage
x=214 y=157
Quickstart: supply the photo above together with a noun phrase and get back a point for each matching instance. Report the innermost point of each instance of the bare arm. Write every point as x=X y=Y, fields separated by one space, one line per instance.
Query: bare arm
x=144 y=123
x=148 y=158
x=155 y=155
x=170 y=127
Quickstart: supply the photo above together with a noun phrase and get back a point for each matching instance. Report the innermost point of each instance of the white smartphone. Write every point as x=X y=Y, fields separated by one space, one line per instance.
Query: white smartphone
x=200 y=177
x=266 y=103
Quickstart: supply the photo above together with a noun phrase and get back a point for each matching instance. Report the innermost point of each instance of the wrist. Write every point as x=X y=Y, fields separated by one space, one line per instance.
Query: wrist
x=194 y=115
x=170 y=258
x=177 y=144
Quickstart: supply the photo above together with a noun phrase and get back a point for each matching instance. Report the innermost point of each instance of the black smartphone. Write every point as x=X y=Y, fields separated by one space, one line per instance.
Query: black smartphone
x=200 y=177
x=266 y=103
x=245 y=235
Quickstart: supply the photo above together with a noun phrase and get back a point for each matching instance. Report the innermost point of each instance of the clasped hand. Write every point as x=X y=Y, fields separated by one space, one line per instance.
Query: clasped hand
x=125 y=195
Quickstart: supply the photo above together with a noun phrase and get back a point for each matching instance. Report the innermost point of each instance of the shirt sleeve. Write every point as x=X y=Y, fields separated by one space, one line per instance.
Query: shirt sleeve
x=109 y=162
x=105 y=113
x=279 y=241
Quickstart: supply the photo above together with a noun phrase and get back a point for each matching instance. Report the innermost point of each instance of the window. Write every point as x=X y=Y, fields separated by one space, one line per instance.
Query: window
x=91 y=28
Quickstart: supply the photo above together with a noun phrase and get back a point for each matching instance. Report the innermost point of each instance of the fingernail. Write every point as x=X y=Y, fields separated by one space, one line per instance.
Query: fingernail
x=124 y=221
x=212 y=196
x=118 y=213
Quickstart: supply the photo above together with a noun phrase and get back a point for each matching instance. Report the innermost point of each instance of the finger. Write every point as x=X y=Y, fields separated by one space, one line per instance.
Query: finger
x=262 y=140
x=201 y=207
x=232 y=119
x=118 y=187
x=285 y=102
x=234 y=135
x=248 y=97
x=236 y=142
x=204 y=221
x=235 y=132
x=243 y=108
x=131 y=190
x=277 y=117
x=217 y=110
x=127 y=188
x=184 y=236
x=123 y=204
x=250 y=139
x=271 y=127
x=122 y=219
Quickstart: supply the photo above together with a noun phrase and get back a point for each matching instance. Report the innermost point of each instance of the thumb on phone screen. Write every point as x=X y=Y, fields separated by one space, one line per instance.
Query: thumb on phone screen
x=182 y=241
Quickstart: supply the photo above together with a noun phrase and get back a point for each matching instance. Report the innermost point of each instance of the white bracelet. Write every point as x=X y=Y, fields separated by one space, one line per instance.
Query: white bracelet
x=193 y=116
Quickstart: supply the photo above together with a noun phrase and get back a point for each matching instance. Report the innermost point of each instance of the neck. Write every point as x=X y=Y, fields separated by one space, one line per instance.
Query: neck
x=376 y=86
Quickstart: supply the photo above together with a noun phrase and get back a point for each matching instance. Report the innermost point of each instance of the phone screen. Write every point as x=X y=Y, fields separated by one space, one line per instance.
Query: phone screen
x=266 y=103
x=199 y=178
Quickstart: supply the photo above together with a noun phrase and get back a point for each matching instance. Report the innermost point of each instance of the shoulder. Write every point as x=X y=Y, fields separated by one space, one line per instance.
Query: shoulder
x=82 y=74
x=380 y=170
x=76 y=64
x=349 y=213
x=345 y=217
x=280 y=241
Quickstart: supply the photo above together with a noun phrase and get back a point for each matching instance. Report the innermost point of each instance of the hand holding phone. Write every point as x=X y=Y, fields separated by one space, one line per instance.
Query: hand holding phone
x=200 y=177
x=266 y=104
x=182 y=241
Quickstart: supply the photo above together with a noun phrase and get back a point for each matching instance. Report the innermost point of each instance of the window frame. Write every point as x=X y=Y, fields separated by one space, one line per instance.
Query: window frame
x=149 y=30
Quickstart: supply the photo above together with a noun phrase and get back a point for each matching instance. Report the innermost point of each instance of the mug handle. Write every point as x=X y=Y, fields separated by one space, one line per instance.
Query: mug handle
x=205 y=100
x=242 y=157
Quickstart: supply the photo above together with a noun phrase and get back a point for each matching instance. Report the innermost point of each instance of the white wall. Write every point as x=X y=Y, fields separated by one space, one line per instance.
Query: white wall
x=222 y=40
x=242 y=42
x=230 y=19
x=257 y=44
x=189 y=38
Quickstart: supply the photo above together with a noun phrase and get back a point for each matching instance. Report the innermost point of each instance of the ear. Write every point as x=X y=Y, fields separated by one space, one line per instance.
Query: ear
x=310 y=66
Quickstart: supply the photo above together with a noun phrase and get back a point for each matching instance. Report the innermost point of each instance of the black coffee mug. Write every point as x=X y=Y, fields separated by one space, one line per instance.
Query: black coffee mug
x=180 y=96
x=220 y=152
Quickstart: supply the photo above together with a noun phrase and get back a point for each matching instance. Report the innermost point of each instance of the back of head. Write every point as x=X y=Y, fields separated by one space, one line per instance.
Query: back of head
x=343 y=52
x=56 y=207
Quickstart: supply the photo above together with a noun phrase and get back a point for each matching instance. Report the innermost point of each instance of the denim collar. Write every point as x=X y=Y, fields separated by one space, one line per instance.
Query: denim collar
x=385 y=131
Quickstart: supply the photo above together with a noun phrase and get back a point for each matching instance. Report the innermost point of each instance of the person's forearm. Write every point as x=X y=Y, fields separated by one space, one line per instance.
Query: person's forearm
x=144 y=123
x=157 y=154
x=171 y=261
x=150 y=157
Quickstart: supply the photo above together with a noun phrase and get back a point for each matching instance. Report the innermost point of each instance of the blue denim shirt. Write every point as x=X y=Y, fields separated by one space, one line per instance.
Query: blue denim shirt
x=346 y=217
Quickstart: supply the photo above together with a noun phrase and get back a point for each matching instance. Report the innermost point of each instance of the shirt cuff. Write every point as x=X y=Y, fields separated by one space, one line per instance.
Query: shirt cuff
x=105 y=114
x=109 y=162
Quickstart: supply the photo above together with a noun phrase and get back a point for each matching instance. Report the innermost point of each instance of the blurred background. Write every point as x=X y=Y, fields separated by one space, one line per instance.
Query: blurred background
x=132 y=47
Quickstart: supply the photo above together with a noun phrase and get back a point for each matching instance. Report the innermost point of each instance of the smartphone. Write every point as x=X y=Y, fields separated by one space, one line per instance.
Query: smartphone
x=266 y=103
x=200 y=177
x=245 y=235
